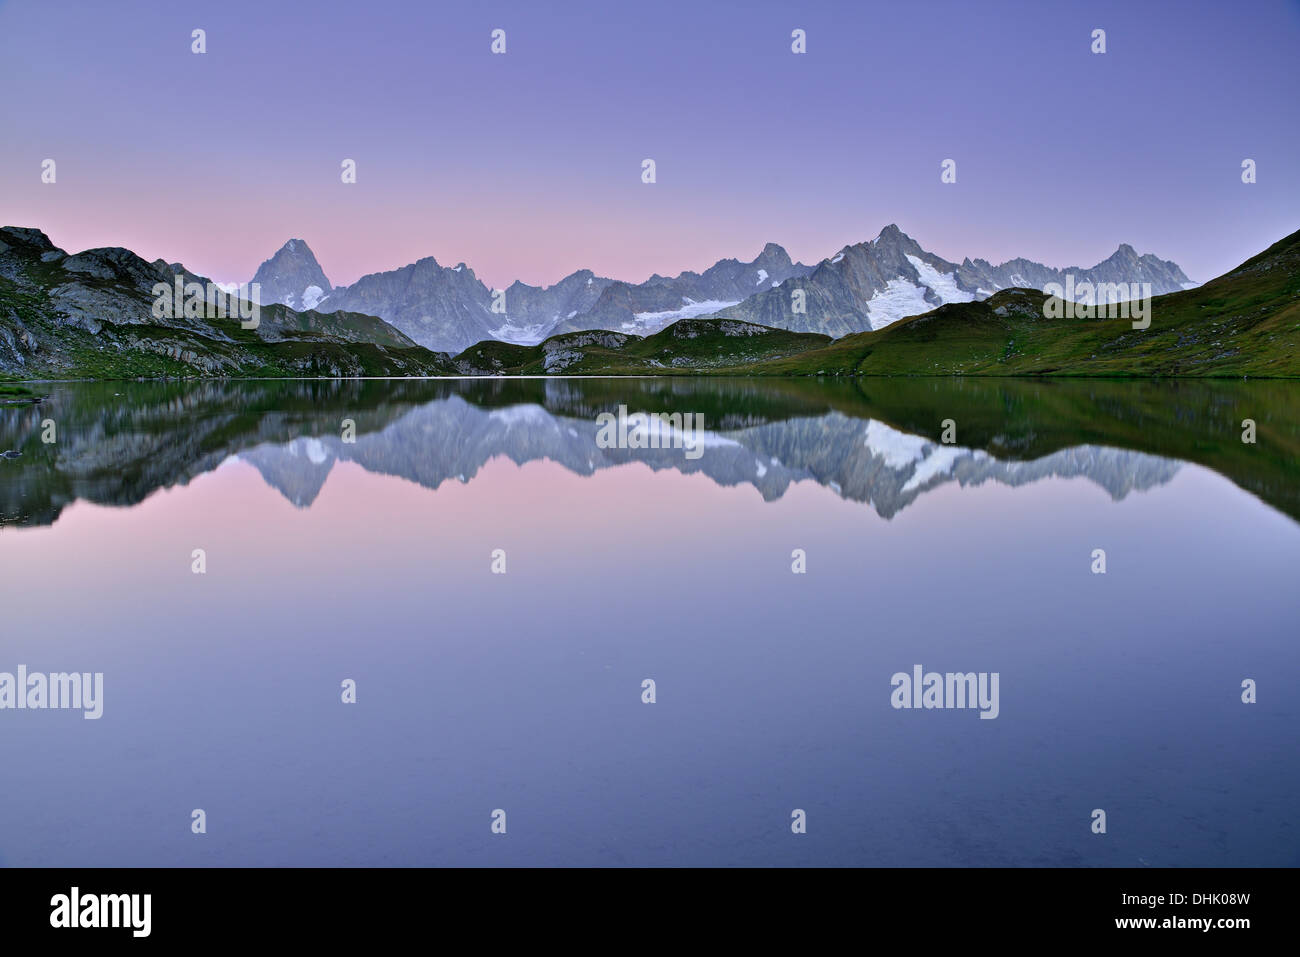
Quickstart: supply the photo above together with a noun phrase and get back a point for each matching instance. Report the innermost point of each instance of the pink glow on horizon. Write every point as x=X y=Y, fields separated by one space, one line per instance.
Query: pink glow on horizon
x=499 y=248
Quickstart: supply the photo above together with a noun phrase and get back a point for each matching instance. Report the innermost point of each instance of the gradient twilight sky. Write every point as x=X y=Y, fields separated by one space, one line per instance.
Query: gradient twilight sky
x=527 y=166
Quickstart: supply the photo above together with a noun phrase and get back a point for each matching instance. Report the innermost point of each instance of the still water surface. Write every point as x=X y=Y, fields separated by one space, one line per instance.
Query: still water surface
x=371 y=561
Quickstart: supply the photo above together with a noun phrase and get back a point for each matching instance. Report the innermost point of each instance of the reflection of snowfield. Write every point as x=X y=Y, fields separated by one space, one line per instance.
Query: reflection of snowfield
x=657 y=430
x=523 y=415
x=313 y=448
x=900 y=450
x=653 y=432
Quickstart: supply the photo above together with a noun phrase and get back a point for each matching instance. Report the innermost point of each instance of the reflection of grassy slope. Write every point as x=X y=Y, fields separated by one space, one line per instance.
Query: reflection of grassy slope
x=1244 y=323
x=126 y=439
x=724 y=402
x=12 y=392
x=1193 y=421
x=119 y=441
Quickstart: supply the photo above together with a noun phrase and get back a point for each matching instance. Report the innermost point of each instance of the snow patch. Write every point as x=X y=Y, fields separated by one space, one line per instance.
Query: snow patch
x=690 y=308
x=944 y=284
x=899 y=298
x=312 y=296
x=528 y=335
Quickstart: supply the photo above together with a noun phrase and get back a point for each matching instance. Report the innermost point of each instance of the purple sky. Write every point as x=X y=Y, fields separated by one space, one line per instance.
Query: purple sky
x=528 y=165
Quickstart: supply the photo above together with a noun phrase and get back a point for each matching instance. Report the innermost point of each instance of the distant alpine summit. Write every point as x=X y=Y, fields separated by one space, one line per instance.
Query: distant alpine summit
x=649 y=306
x=294 y=277
x=448 y=308
x=865 y=286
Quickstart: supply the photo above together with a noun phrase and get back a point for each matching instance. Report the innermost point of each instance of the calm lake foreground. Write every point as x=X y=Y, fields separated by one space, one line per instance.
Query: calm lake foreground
x=377 y=561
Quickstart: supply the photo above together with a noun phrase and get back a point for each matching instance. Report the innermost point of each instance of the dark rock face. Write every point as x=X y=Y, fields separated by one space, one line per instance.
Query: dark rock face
x=439 y=307
x=293 y=277
x=864 y=286
x=535 y=312
x=94 y=313
x=1124 y=265
x=649 y=306
x=450 y=309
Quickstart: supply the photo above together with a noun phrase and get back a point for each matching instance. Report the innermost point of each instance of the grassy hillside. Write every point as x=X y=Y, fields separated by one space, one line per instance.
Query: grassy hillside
x=1245 y=323
x=91 y=316
x=144 y=350
x=689 y=346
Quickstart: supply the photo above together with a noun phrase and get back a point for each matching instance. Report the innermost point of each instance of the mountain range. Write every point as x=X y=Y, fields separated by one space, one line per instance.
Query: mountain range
x=1243 y=323
x=879 y=444
x=870 y=285
x=862 y=287
x=92 y=315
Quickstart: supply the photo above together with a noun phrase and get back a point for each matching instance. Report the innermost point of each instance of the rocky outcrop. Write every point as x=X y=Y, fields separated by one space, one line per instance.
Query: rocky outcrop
x=93 y=314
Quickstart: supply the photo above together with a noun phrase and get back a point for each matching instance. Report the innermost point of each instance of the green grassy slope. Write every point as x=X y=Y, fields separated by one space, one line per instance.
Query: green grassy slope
x=1196 y=421
x=687 y=346
x=1245 y=323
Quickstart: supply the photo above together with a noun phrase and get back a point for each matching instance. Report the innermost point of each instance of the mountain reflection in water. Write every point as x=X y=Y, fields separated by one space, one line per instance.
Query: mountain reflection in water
x=877 y=441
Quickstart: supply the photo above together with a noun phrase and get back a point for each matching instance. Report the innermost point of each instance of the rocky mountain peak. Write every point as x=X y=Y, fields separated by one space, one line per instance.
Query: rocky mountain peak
x=773 y=255
x=293 y=276
x=26 y=236
x=893 y=238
